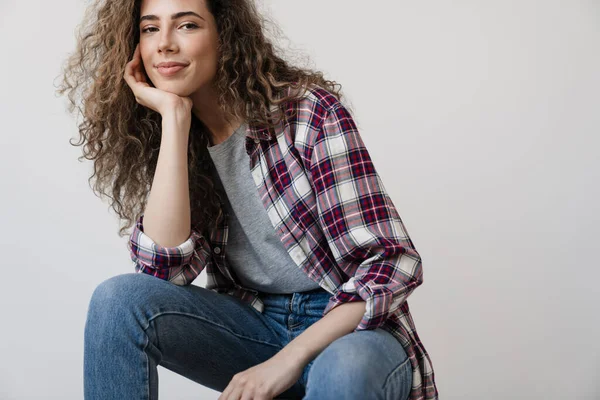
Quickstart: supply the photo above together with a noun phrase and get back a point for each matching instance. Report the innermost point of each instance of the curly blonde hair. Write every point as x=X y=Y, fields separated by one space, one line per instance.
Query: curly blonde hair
x=123 y=138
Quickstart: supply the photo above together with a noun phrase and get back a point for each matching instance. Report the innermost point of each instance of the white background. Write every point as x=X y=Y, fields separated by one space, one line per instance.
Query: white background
x=482 y=118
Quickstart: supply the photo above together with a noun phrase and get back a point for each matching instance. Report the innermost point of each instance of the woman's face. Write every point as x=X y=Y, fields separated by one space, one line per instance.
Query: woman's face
x=189 y=39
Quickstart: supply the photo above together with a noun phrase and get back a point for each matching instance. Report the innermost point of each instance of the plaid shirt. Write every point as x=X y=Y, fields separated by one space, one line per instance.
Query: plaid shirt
x=331 y=212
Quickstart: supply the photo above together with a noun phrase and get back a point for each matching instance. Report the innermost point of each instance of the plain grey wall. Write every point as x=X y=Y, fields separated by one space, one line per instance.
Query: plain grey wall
x=482 y=118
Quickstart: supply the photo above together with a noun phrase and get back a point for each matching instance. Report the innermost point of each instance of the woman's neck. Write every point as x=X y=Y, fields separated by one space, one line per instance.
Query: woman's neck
x=206 y=109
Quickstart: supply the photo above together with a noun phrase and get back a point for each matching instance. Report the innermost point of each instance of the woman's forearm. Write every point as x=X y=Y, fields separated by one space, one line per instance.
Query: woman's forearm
x=340 y=321
x=167 y=218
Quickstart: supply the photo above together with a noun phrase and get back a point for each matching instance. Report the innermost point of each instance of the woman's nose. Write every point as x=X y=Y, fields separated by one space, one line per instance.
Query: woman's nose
x=167 y=43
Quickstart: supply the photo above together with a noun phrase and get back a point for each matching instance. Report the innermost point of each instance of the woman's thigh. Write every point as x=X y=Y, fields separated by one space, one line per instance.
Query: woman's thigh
x=361 y=364
x=203 y=335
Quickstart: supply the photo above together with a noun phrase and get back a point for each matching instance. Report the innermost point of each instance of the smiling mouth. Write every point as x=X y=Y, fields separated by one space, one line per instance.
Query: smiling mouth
x=169 y=71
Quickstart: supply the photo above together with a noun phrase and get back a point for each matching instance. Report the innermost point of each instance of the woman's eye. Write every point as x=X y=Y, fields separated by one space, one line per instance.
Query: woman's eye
x=190 y=24
x=194 y=26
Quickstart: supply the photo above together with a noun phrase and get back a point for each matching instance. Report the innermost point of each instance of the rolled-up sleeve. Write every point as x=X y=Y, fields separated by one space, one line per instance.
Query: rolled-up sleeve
x=362 y=226
x=179 y=264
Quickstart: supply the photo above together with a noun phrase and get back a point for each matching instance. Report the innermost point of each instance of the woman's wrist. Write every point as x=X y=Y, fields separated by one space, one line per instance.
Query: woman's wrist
x=177 y=121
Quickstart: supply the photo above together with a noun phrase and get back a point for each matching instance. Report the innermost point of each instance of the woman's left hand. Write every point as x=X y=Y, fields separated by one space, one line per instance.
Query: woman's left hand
x=263 y=381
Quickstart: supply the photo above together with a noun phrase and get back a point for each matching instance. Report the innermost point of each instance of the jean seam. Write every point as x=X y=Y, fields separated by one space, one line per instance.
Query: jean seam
x=147 y=365
x=401 y=365
x=264 y=315
x=210 y=322
x=309 y=308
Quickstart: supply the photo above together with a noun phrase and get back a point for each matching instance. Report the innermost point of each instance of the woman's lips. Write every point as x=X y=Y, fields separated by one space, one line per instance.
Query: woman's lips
x=169 y=71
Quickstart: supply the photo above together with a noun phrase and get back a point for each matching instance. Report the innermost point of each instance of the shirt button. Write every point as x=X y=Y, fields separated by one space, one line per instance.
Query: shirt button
x=217 y=250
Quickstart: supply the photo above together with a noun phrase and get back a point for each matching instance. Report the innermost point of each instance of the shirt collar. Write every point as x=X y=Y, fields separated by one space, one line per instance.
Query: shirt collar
x=262 y=133
x=255 y=132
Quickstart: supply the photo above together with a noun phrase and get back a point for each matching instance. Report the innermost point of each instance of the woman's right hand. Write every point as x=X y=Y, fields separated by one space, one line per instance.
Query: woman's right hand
x=158 y=100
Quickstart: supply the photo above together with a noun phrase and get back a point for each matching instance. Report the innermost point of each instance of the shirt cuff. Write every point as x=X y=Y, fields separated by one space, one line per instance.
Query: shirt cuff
x=151 y=255
x=378 y=299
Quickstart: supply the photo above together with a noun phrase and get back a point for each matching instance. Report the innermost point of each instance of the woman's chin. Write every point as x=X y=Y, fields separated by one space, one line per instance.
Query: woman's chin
x=173 y=87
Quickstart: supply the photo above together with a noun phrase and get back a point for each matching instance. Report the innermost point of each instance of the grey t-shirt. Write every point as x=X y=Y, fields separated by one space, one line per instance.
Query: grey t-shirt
x=253 y=251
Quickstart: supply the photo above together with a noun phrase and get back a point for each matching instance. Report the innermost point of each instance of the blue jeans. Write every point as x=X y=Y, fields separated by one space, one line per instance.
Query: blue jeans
x=136 y=322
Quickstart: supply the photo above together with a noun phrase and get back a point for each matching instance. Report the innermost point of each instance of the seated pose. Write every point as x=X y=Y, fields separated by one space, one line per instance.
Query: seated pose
x=224 y=158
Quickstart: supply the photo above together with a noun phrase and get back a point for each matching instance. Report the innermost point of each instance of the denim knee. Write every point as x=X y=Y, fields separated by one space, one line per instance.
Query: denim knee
x=339 y=372
x=360 y=365
x=118 y=290
x=122 y=296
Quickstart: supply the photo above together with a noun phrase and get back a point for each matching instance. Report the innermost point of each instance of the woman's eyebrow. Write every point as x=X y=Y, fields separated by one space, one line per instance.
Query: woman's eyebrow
x=180 y=14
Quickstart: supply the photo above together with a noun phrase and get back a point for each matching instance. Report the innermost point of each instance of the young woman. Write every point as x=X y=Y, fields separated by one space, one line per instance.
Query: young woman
x=225 y=158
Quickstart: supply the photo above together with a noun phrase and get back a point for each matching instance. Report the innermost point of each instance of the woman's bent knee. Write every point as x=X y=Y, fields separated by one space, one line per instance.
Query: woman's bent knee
x=125 y=292
x=116 y=288
x=123 y=300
